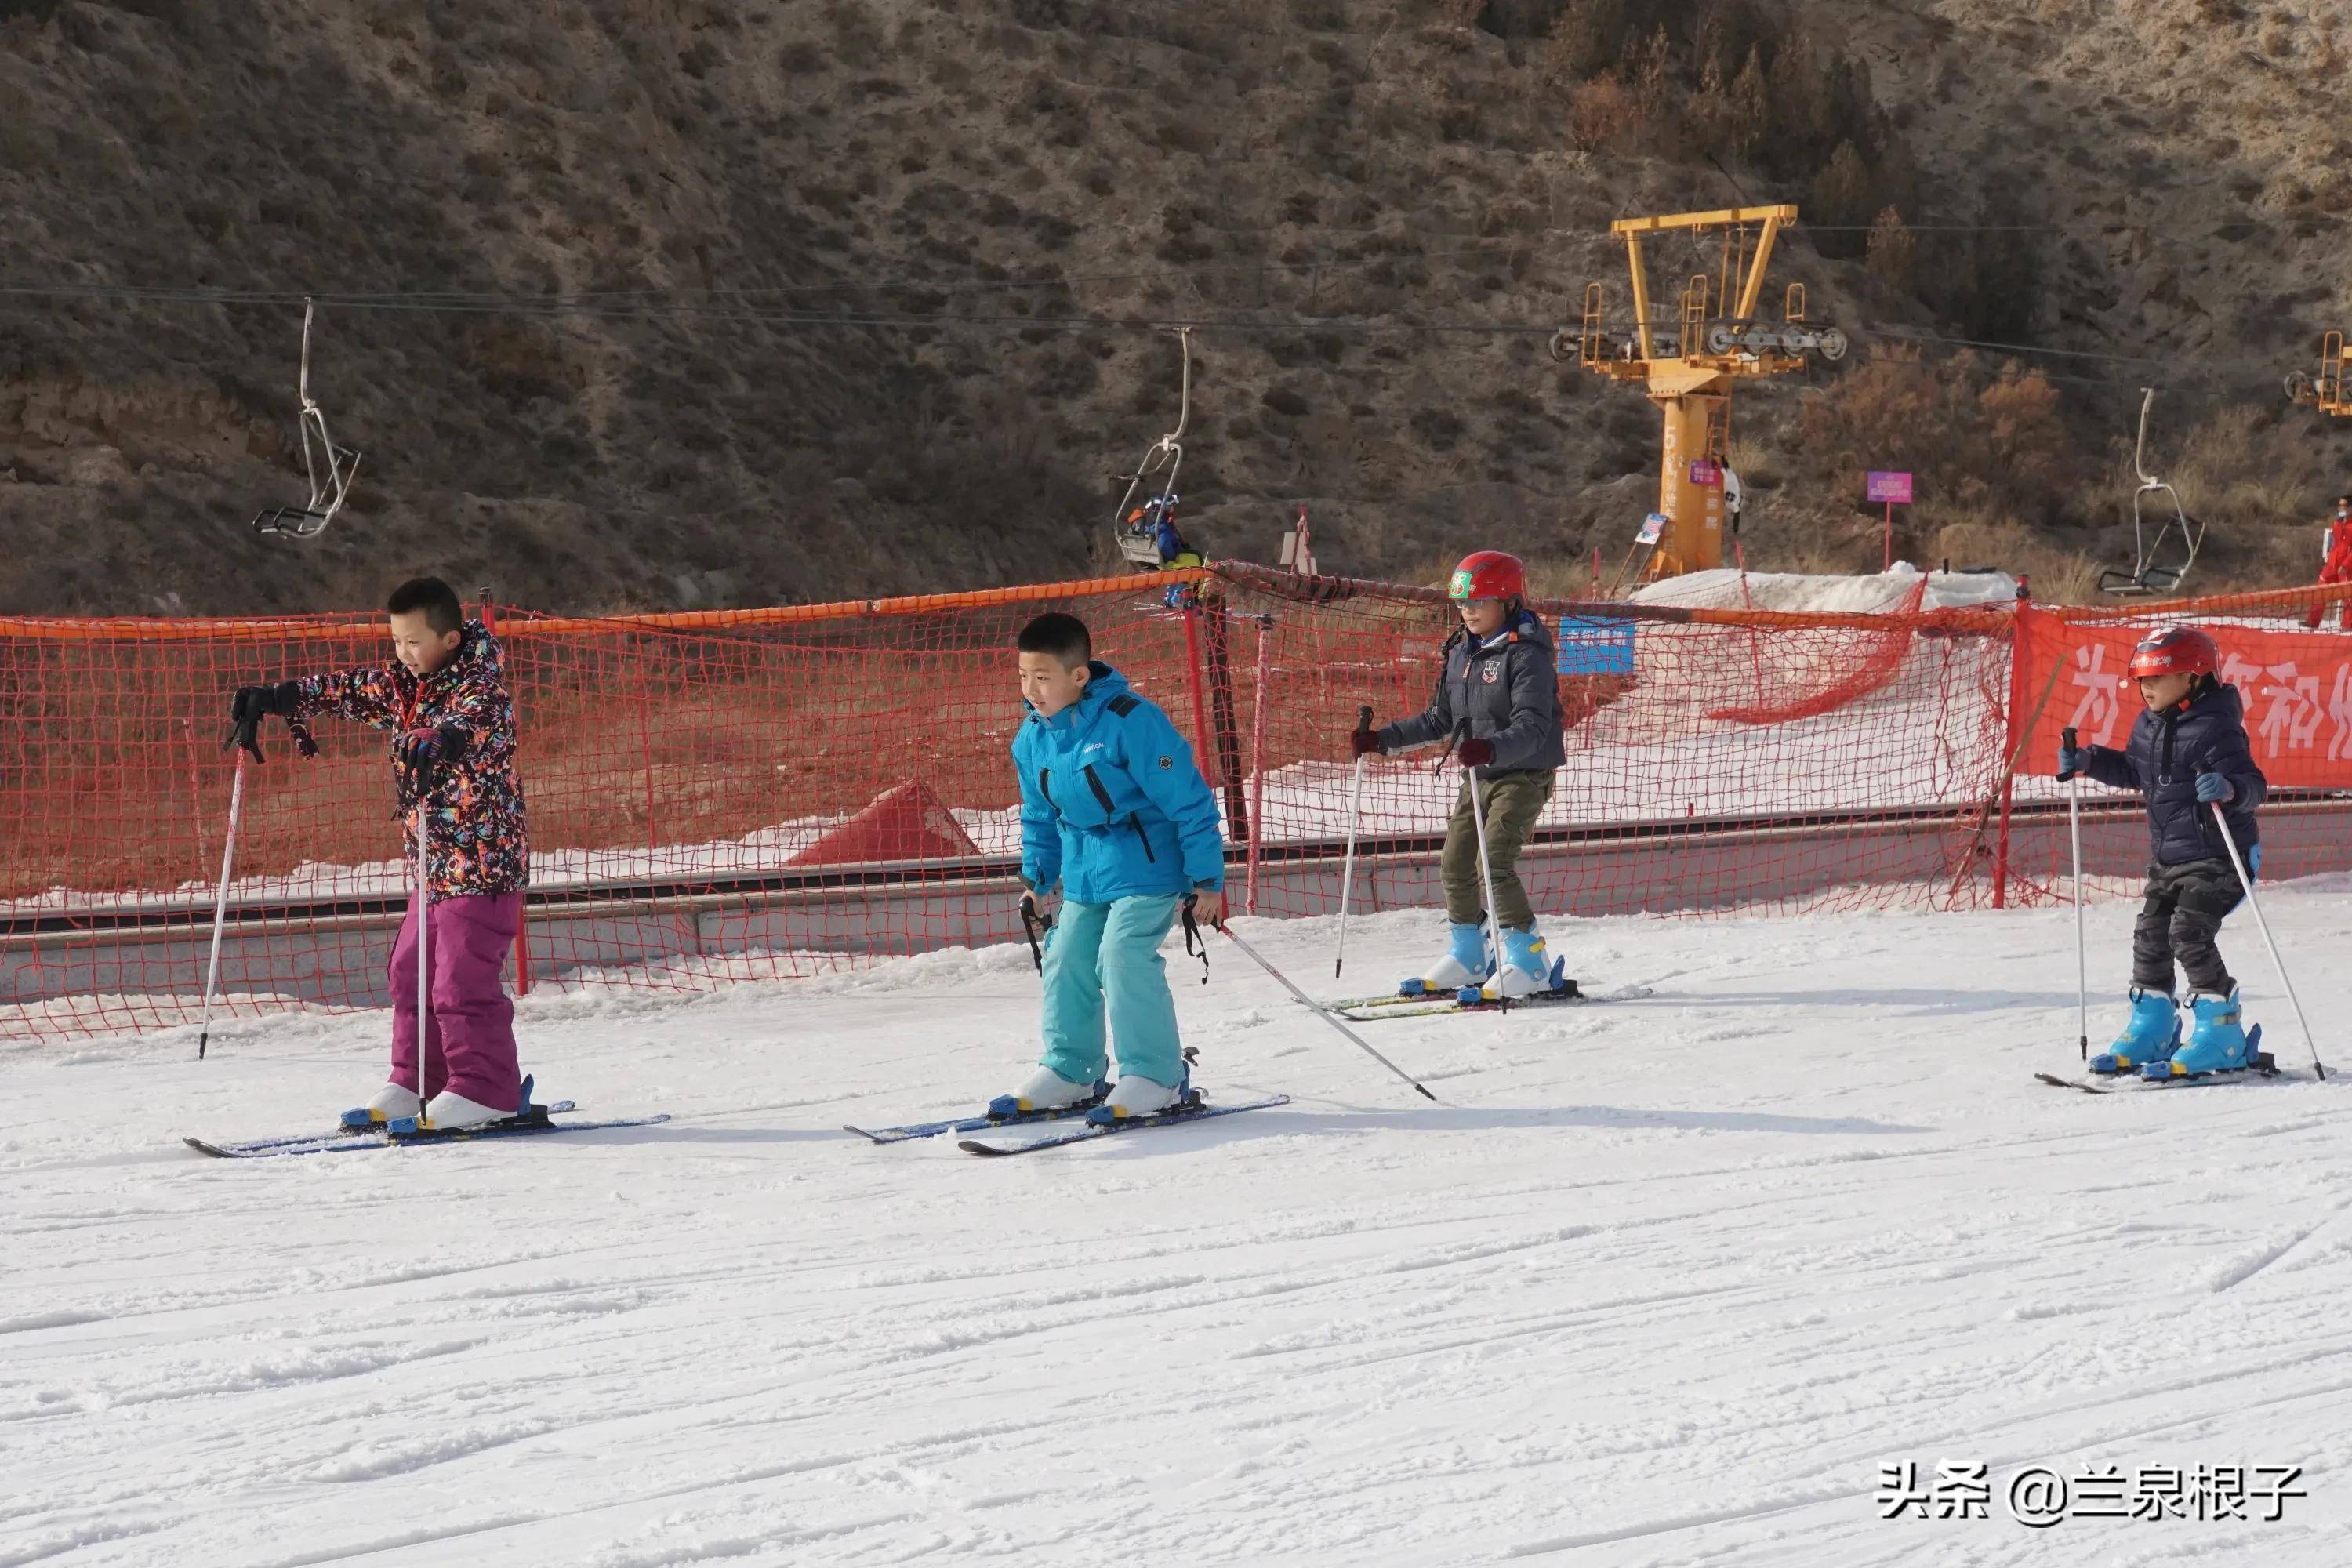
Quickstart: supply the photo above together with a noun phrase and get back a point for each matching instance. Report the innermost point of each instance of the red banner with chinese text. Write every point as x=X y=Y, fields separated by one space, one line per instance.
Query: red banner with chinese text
x=2296 y=686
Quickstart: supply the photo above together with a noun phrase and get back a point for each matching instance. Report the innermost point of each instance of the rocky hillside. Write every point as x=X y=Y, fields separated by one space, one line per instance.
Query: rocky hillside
x=745 y=302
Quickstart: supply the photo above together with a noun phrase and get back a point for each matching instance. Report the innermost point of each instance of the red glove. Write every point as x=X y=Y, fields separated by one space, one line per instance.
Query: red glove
x=1476 y=753
x=1365 y=743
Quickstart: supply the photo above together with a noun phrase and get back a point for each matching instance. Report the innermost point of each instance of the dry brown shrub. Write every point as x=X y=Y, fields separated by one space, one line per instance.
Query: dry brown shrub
x=1605 y=113
x=1975 y=437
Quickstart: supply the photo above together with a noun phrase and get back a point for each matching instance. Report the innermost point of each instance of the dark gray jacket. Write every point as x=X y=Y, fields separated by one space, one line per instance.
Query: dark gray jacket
x=1507 y=687
x=2165 y=754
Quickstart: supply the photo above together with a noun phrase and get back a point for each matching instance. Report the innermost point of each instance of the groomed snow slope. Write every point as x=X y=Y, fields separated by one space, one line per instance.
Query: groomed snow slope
x=1663 y=1283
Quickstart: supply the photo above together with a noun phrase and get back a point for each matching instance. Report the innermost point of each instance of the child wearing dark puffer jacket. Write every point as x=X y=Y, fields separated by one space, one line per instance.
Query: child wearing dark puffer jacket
x=2188 y=754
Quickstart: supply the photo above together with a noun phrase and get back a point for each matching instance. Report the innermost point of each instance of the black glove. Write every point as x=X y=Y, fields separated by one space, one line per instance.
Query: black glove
x=447 y=744
x=252 y=704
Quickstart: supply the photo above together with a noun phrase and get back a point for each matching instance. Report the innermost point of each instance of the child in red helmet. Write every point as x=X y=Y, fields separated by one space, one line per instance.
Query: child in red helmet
x=2188 y=753
x=1498 y=700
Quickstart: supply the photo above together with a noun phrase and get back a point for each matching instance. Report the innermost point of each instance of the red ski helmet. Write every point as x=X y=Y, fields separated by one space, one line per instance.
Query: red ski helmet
x=2176 y=651
x=1488 y=574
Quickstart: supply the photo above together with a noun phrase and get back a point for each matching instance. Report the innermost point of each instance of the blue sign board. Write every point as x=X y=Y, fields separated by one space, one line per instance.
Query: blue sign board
x=1595 y=644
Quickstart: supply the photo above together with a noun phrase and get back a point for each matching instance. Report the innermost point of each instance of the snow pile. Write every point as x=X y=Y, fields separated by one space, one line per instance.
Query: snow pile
x=1888 y=592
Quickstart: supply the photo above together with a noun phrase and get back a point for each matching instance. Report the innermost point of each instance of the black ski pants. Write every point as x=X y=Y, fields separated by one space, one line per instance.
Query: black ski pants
x=2178 y=920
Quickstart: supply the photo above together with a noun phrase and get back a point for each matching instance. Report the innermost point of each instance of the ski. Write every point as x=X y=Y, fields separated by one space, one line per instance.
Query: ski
x=1373 y=1009
x=345 y=1141
x=349 y=1129
x=1093 y=1130
x=980 y=1123
x=2131 y=1083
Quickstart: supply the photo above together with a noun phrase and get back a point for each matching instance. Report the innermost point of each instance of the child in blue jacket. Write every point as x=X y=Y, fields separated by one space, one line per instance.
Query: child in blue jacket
x=1113 y=809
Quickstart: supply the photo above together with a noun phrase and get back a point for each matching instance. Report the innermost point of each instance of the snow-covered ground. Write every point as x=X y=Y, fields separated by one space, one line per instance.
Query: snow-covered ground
x=1663 y=1281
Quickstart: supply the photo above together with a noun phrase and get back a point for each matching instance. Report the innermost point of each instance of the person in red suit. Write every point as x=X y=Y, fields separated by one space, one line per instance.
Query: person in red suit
x=2337 y=566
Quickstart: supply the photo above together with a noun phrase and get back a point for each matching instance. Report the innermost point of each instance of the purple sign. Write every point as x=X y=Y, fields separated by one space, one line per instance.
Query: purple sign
x=1705 y=471
x=1889 y=488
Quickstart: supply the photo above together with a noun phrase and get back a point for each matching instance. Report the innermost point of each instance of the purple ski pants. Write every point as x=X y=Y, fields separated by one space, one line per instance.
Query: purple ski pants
x=469 y=1043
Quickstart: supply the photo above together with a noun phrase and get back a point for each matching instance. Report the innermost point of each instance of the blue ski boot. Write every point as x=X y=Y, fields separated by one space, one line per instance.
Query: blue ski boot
x=1467 y=963
x=2218 y=1044
x=1526 y=965
x=2152 y=1034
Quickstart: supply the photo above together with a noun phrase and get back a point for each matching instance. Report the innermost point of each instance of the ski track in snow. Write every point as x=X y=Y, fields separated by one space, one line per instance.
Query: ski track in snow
x=1663 y=1281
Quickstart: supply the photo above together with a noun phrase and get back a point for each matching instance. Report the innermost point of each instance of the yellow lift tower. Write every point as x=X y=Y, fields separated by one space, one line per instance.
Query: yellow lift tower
x=1689 y=361
x=2327 y=391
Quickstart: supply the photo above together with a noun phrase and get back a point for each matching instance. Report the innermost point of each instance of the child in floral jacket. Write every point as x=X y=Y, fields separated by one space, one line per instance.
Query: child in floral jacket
x=443 y=698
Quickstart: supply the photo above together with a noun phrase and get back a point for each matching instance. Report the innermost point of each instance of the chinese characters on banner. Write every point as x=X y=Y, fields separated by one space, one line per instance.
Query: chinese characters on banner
x=2296 y=686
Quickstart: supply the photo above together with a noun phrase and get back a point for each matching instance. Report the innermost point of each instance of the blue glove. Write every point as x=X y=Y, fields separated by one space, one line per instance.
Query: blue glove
x=2071 y=759
x=2212 y=787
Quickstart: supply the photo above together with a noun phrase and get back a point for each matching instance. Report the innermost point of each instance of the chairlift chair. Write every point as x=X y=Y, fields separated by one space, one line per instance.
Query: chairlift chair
x=330 y=467
x=1137 y=527
x=2159 y=563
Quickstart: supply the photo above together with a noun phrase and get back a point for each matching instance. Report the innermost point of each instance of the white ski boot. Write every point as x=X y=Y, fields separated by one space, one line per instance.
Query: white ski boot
x=1047 y=1089
x=452 y=1113
x=390 y=1103
x=1135 y=1095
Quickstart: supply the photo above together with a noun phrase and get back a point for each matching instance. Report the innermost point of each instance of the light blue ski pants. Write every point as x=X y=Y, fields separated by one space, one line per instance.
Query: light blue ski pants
x=1101 y=955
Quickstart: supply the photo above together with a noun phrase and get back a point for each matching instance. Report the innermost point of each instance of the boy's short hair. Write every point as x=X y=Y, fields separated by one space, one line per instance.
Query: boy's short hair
x=442 y=612
x=1063 y=637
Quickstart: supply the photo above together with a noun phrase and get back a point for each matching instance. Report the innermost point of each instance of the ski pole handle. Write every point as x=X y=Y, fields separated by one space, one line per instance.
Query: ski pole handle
x=1364 y=716
x=2066 y=742
x=1031 y=923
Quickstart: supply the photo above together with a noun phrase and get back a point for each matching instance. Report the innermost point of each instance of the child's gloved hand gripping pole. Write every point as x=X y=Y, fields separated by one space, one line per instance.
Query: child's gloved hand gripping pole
x=247 y=709
x=2238 y=863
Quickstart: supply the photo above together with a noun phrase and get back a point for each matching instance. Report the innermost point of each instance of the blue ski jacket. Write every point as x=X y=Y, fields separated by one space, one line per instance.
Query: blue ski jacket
x=2206 y=734
x=1112 y=805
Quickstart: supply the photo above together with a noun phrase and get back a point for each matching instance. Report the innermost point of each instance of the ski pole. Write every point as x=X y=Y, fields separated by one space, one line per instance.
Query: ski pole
x=220 y=904
x=1355 y=824
x=1324 y=1013
x=2082 y=959
x=424 y=925
x=1486 y=875
x=2229 y=842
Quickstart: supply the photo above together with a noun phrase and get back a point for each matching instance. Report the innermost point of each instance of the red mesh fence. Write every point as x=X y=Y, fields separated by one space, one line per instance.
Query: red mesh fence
x=769 y=793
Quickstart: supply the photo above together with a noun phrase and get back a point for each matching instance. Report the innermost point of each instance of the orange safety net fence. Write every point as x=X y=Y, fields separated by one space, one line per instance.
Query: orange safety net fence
x=771 y=794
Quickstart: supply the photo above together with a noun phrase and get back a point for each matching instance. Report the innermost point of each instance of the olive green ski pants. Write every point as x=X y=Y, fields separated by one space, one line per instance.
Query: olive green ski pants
x=1512 y=802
